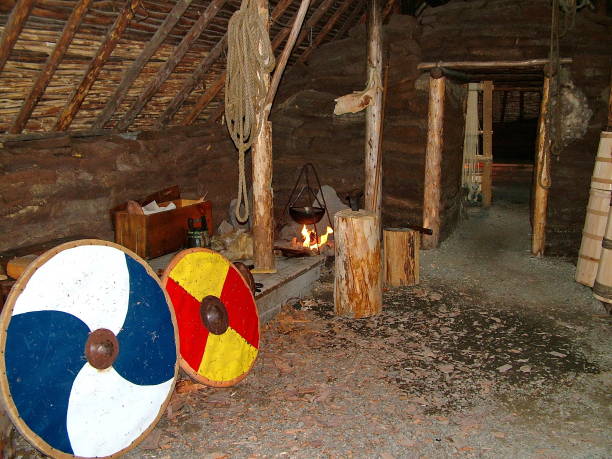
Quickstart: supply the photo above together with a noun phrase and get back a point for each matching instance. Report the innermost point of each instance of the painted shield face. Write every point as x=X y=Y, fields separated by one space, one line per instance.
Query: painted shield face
x=216 y=316
x=90 y=350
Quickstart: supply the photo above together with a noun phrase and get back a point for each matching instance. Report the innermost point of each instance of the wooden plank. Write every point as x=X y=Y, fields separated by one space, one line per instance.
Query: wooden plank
x=373 y=144
x=433 y=160
x=324 y=31
x=53 y=61
x=95 y=66
x=12 y=29
x=487 y=142
x=176 y=57
x=542 y=176
x=350 y=21
x=147 y=52
x=217 y=85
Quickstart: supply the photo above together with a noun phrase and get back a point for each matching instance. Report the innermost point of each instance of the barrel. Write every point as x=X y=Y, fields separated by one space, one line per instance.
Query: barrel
x=592 y=236
x=602 y=288
x=602 y=172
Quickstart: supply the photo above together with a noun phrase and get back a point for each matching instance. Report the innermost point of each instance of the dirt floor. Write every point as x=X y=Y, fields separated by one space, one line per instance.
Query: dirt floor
x=494 y=354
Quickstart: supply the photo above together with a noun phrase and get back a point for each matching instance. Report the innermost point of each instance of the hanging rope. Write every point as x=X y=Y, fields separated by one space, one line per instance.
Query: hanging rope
x=471 y=178
x=249 y=59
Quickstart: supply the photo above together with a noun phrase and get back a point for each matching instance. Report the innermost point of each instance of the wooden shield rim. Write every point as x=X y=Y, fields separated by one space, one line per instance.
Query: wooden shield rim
x=6 y=401
x=184 y=365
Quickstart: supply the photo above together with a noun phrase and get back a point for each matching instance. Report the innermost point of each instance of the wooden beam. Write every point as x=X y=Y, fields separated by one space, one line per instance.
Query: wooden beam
x=147 y=52
x=373 y=135
x=284 y=58
x=95 y=66
x=53 y=61
x=350 y=21
x=263 y=205
x=213 y=89
x=324 y=31
x=175 y=58
x=387 y=9
x=13 y=27
x=490 y=64
x=433 y=160
x=542 y=176
x=487 y=142
x=312 y=21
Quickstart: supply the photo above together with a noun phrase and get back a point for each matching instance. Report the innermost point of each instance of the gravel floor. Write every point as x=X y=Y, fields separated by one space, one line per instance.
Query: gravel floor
x=494 y=354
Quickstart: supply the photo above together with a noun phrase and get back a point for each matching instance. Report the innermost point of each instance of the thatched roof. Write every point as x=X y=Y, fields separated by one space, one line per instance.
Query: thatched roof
x=133 y=64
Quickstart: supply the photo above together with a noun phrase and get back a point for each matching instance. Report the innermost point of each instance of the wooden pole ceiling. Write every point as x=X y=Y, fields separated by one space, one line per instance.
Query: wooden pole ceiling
x=174 y=30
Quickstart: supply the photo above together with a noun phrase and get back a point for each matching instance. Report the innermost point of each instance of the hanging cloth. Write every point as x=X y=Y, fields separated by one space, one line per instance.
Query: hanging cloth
x=472 y=161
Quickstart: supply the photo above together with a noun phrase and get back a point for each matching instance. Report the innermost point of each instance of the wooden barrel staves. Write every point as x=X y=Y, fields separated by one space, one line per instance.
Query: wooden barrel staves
x=592 y=236
x=602 y=288
x=597 y=213
x=602 y=172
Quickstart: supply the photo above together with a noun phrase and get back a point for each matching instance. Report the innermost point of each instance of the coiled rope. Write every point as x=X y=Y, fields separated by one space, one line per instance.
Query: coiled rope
x=249 y=59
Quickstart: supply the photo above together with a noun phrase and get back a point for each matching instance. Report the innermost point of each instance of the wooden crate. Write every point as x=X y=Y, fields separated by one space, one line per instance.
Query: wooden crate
x=155 y=235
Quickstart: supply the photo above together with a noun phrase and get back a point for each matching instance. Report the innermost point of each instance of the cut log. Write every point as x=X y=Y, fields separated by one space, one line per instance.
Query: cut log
x=358 y=276
x=433 y=158
x=401 y=248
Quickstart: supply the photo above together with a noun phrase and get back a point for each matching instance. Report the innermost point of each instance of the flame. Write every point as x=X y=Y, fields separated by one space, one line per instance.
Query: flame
x=310 y=239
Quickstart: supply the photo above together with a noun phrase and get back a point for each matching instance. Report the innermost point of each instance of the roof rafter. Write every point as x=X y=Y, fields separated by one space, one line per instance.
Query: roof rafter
x=350 y=21
x=16 y=21
x=214 y=89
x=95 y=66
x=53 y=61
x=324 y=31
x=178 y=54
x=147 y=52
x=312 y=21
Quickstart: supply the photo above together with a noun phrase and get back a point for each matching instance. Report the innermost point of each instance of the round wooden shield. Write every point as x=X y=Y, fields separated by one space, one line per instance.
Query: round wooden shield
x=216 y=315
x=89 y=350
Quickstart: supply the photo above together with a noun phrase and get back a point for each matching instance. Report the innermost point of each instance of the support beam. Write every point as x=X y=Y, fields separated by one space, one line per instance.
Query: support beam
x=147 y=52
x=53 y=61
x=95 y=66
x=487 y=142
x=175 y=58
x=13 y=27
x=374 y=114
x=433 y=159
x=542 y=176
x=489 y=64
x=213 y=89
x=351 y=20
x=263 y=209
x=324 y=31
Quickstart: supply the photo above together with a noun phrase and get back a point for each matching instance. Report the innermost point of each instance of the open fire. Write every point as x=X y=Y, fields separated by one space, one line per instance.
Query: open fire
x=309 y=238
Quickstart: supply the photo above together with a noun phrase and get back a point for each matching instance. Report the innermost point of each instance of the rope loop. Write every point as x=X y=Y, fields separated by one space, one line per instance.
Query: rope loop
x=250 y=59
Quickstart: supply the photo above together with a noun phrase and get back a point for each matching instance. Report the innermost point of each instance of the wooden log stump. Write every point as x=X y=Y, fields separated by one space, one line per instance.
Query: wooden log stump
x=358 y=277
x=401 y=248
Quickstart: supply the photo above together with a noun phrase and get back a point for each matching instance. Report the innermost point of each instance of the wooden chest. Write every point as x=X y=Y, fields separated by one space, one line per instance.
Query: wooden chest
x=157 y=234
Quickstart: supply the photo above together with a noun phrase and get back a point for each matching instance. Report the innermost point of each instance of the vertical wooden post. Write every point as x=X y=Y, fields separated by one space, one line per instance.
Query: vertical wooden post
x=542 y=176
x=433 y=160
x=263 y=217
x=373 y=156
x=487 y=142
